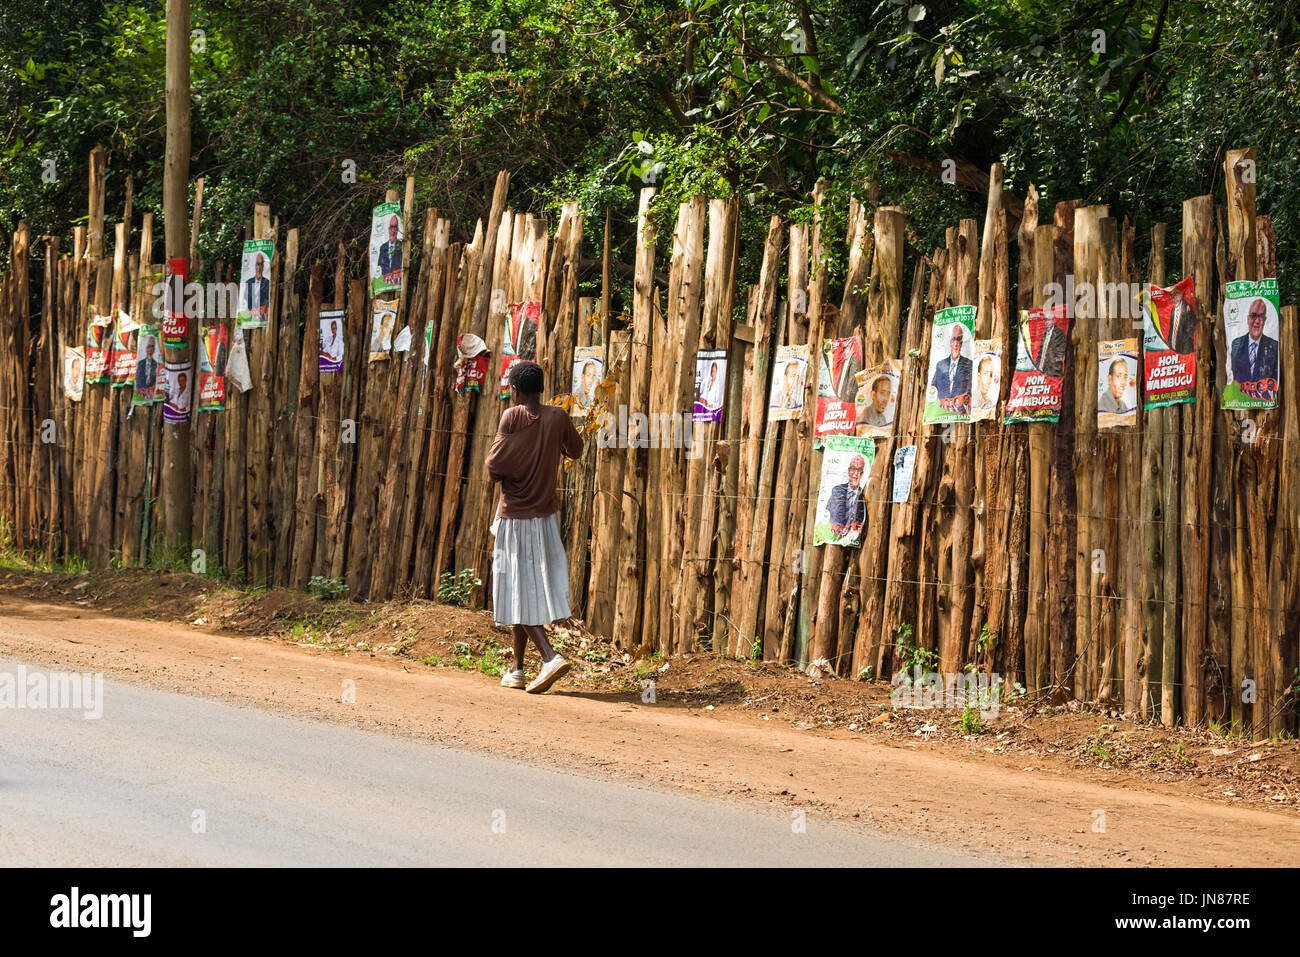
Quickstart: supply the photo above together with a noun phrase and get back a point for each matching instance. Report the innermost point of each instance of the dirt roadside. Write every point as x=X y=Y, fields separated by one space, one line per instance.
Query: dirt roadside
x=721 y=728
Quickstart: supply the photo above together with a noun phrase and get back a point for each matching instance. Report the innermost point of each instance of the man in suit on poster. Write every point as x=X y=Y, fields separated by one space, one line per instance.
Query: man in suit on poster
x=847 y=508
x=390 y=253
x=257 y=291
x=952 y=375
x=1051 y=349
x=1182 y=323
x=1254 y=355
x=146 y=370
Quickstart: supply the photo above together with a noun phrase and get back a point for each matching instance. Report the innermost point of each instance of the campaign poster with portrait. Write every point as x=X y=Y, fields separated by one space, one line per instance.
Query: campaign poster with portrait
x=148 y=356
x=710 y=384
x=904 y=466
x=1037 y=381
x=471 y=363
x=178 y=390
x=952 y=366
x=121 y=357
x=841 y=496
x=74 y=373
x=331 y=339
x=213 y=350
x=520 y=339
x=789 y=374
x=877 y=400
x=383 y=318
x=837 y=387
x=588 y=370
x=254 y=310
x=99 y=343
x=1252 y=329
x=1169 y=319
x=988 y=380
x=1117 y=379
x=175 y=324
x=386 y=238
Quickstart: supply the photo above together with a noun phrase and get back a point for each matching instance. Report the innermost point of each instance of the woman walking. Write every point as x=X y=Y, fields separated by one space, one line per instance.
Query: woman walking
x=530 y=572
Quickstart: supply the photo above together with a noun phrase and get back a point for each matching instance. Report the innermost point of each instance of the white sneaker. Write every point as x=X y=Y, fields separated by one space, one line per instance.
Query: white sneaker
x=514 y=679
x=552 y=671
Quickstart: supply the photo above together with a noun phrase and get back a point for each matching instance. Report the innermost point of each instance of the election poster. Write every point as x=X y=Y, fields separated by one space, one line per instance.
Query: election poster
x=1169 y=318
x=904 y=465
x=1036 y=383
x=175 y=326
x=178 y=388
x=710 y=384
x=1251 y=326
x=988 y=380
x=121 y=357
x=213 y=350
x=520 y=339
x=952 y=363
x=841 y=500
x=789 y=373
x=331 y=339
x=837 y=387
x=148 y=354
x=386 y=248
x=255 y=284
x=1117 y=379
x=383 y=318
x=877 y=398
x=588 y=370
x=99 y=344
x=74 y=373
x=471 y=363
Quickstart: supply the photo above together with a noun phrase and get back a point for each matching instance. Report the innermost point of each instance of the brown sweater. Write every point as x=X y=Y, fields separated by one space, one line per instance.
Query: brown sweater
x=525 y=459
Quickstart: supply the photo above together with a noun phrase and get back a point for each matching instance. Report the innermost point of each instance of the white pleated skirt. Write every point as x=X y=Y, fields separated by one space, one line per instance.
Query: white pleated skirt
x=530 y=572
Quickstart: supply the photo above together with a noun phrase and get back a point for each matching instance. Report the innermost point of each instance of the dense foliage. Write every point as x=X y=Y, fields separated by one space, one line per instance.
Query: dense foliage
x=1129 y=103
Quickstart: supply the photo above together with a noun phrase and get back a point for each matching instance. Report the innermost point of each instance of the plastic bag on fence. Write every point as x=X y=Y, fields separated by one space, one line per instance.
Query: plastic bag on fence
x=237 y=373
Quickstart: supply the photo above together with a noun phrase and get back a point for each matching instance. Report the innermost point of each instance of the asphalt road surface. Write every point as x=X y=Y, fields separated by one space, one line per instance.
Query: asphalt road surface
x=168 y=779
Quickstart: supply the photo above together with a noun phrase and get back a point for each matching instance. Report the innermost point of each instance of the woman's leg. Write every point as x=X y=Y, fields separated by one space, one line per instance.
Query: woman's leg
x=520 y=635
x=538 y=634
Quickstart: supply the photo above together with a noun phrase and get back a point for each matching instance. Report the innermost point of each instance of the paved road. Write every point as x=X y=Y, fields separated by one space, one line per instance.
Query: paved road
x=127 y=789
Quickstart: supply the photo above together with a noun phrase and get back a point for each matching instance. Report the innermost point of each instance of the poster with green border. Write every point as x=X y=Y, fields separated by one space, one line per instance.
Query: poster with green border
x=386 y=237
x=255 y=284
x=841 y=497
x=951 y=367
x=1252 y=328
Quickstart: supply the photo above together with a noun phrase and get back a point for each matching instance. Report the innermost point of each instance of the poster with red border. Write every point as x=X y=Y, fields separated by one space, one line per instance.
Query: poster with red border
x=99 y=340
x=1037 y=382
x=175 y=329
x=213 y=351
x=121 y=360
x=1169 y=336
x=520 y=341
x=837 y=386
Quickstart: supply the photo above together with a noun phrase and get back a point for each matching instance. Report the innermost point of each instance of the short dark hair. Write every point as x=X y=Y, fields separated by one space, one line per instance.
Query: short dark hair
x=527 y=378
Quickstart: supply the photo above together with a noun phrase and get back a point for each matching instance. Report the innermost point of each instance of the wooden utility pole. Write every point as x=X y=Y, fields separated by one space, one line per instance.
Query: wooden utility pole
x=176 y=242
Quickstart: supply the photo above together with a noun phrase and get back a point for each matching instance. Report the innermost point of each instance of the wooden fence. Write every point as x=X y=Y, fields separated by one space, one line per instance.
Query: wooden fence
x=1146 y=567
